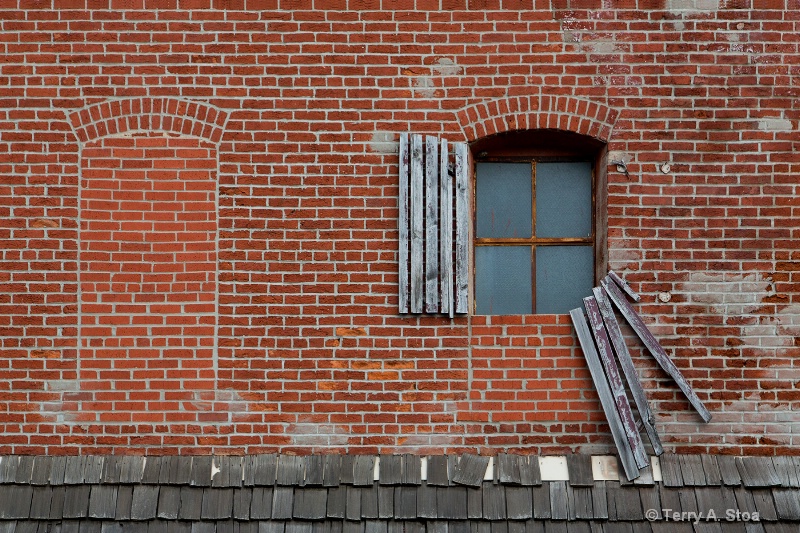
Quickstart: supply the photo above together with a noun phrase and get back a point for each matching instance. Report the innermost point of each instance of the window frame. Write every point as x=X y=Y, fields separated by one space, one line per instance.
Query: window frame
x=535 y=146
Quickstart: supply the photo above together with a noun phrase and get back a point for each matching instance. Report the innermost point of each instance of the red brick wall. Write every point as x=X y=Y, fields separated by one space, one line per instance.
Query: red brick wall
x=276 y=122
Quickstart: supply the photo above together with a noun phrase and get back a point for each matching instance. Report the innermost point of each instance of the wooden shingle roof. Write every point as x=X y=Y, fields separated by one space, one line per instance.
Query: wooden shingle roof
x=391 y=494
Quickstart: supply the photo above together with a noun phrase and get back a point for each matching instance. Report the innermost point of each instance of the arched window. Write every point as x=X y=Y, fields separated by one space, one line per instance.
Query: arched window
x=539 y=222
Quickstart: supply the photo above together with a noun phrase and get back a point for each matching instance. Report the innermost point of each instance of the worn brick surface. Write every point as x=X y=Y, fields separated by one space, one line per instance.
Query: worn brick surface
x=198 y=204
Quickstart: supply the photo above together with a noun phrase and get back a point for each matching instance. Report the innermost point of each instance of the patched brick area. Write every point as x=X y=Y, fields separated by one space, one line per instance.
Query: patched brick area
x=199 y=213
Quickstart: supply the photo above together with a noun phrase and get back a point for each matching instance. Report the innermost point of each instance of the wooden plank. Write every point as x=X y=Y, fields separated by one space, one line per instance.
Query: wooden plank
x=431 y=224
x=462 y=228
x=625 y=361
x=417 y=214
x=615 y=381
x=653 y=346
x=622 y=284
x=604 y=392
x=402 y=226
x=446 y=231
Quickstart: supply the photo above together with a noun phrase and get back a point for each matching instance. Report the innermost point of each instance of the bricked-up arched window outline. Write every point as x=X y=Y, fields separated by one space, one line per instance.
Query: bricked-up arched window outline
x=148 y=256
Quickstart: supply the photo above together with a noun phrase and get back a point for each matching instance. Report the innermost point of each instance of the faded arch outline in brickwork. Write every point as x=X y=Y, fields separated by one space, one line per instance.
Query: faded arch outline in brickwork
x=171 y=115
x=150 y=162
x=537 y=112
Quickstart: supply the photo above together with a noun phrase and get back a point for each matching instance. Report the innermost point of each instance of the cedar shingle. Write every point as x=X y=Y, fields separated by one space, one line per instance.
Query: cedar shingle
x=124 y=502
x=671 y=470
x=787 y=503
x=315 y=469
x=411 y=469
x=191 y=503
x=558 y=500
x=76 y=501
x=437 y=471
x=169 y=501
x=405 y=502
x=519 y=503
x=152 y=469
x=282 y=503
x=291 y=470
x=600 y=500
x=580 y=470
x=579 y=503
x=391 y=470
x=426 y=502
x=369 y=502
x=24 y=469
x=93 y=469
x=131 y=469
x=217 y=504
x=40 y=473
x=241 y=503
x=337 y=502
x=529 y=471
x=16 y=501
x=332 y=470
x=201 y=471
x=765 y=504
x=74 y=469
x=262 y=470
x=728 y=470
x=261 y=506
x=507 y=469
x=452 y=502
x=58 y=469
x=40 y=503
x=386 y=502
x=470 y=470
x=311 y=503
x=541 y=501
x=353 y=503
x=711 y=469
x=692 y=470
x=103 y=501
x=144 y=502
x=494 y=502
x=363 y=470
x=757 y=472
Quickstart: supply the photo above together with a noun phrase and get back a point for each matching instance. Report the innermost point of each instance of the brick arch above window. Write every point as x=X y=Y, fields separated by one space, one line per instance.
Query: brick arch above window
x=172 y=115
x=535 y=112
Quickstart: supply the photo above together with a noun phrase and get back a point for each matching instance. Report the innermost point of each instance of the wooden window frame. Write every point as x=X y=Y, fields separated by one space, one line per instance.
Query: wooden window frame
x=537 y=146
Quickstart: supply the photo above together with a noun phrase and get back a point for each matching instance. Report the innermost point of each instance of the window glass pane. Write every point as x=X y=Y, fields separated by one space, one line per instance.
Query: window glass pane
x=503 y=200
x=564 y=276
x=564 y=199
x=503 y=280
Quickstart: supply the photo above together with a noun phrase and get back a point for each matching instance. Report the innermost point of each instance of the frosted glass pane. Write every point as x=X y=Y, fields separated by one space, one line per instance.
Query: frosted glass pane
x=564 y=199
x=503 y=280
x=503 y=200
x=564 y=276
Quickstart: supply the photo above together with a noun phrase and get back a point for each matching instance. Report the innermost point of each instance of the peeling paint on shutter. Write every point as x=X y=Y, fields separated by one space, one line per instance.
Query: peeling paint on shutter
x=433 y=226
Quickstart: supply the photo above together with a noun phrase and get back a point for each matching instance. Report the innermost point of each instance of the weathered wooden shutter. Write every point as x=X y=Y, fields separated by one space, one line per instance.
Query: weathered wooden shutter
x=433 y=225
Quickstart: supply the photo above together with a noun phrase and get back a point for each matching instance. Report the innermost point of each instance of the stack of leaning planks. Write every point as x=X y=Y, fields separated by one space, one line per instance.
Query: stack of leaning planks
x=604 y=347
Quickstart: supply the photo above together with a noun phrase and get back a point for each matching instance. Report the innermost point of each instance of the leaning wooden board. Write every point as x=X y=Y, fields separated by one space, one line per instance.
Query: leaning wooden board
x=615 y=380
x=653 y=346
x=604 y=392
